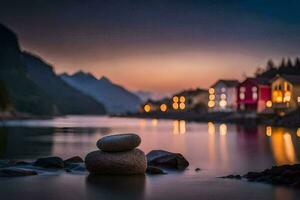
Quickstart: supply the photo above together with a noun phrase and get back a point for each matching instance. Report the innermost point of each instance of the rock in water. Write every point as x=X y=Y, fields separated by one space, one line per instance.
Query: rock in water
x=74 y=159
x=14 y=171
x=167 y=159
x=50 y=162
x=119 y=163
x=120 y=142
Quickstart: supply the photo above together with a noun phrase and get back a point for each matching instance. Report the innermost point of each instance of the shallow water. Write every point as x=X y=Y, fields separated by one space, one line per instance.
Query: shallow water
x=218 y=149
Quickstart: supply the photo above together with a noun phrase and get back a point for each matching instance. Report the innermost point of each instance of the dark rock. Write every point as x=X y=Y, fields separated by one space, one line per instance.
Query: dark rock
x=232 y=176
x=197 y=169
x=154 y=170
x=14 y=172
x=50 y=162
x=122 y=163
x=167 y=159
x=120 y=142
x=75 y=159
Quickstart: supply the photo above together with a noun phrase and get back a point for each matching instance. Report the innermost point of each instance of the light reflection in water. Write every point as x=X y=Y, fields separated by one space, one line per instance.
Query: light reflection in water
x=211 y=141
x=179 y=127
x=211 y=128
x=223 y=129
x=154 y=122
x=282 y=147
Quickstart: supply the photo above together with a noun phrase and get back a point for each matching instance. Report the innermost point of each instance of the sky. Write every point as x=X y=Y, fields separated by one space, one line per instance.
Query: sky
x=162 y=46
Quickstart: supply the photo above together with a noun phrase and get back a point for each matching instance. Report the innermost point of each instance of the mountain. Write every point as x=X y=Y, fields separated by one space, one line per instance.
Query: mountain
x=115 y=98
x=67 y=99
x=25 y=96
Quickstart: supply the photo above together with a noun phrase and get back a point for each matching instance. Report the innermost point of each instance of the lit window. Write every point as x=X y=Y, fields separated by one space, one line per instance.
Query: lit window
x=211 y=91
x=182 y=99
x=269 y=131
x=242 y=95
x=212 y=97
x=242 y=89
x=175 y=106
x=182 y=106
x=269 y=104
x=163 y=107
x=254 y=95
x=223 y=103
x=254 y=89
x=287 y=97
x=175 y=99
x=147 y=108
x=211 y=104
x=223 y=96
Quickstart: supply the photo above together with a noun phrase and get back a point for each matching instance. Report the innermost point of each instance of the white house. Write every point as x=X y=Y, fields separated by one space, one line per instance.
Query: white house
x=223 y=96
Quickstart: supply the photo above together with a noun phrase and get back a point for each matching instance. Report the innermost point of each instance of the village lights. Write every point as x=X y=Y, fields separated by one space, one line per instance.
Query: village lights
x=211 y=91
x=211 y=104
x=147 y=108
x=269 y=104
x=163 y=107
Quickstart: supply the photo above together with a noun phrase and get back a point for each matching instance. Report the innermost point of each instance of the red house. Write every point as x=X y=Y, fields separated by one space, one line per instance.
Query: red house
x=254 y=94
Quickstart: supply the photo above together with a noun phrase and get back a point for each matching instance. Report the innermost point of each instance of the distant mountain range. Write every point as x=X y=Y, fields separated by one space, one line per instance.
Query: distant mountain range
x=115 y=98
x=32 y=85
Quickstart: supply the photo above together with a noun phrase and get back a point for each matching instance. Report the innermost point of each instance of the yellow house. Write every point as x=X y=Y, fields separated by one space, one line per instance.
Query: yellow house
x=286 y=92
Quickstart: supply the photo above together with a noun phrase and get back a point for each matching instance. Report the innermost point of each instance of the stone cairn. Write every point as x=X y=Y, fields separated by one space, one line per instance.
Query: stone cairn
x=118 y=155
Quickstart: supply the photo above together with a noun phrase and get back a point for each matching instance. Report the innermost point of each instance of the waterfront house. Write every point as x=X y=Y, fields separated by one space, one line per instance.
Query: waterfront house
x=190 y=100
x=223 y=96
x=285 y=92
x=254 y=94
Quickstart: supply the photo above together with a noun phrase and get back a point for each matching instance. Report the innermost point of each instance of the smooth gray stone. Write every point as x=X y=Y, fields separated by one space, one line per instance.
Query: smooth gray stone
x=117 y=163
x=119 y=142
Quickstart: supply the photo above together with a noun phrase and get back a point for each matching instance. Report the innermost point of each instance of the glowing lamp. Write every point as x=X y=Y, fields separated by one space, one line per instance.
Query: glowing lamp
x=211 y=104
x=175 y=99
x=163 y=107
x=211 y=91
x=175 y=106
x=182 y=106
x=147 y=108
x=269 y=104
x=182 y=99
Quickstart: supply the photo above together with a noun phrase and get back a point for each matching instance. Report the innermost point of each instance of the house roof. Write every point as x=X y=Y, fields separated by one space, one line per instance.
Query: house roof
x=259 y=81
x=294 y=79
x=227 y=83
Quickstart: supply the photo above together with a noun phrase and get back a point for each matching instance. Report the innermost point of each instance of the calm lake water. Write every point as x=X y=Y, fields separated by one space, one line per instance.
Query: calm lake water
x=218 y=149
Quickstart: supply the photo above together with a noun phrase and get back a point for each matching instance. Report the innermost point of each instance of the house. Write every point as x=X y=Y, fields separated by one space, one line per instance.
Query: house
x=190 y=100
x=254 y=94
x=222 y=96
x=285 y=92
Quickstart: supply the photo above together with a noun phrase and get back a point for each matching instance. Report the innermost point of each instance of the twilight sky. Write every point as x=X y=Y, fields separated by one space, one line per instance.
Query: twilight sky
x=157 y=45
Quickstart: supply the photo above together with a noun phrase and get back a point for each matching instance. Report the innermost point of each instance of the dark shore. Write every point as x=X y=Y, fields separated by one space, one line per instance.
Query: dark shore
x=247 y=119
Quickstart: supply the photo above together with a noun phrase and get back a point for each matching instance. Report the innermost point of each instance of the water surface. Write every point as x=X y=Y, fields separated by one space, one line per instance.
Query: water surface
x=218 y=149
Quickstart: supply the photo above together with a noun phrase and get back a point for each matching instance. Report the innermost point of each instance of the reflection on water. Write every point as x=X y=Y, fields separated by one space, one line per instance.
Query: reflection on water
x=220 y=147
x=115 y=187
x=282 y=146
x=179 y=127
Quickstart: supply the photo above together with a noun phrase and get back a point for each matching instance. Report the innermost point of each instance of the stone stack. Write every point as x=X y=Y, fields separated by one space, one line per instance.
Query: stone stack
x=118 y=155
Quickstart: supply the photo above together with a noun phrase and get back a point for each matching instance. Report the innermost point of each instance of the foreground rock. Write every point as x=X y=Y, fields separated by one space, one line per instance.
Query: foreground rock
x=119 y=142
x=288 y=175
x=154 y=170
x=118 y=163
x=15 y=172
x=50 y=162
x=167 y=159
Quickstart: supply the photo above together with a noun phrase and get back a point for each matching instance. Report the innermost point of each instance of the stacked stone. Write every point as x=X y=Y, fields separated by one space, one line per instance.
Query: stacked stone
x=118 y=155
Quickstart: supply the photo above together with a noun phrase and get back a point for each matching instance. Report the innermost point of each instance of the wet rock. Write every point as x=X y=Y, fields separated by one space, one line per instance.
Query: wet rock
x=167 y=159
x=14 y=172
x=121 y=163
x=50 y=162
x=74 y=159
x=119 y=142
x=154 y=170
